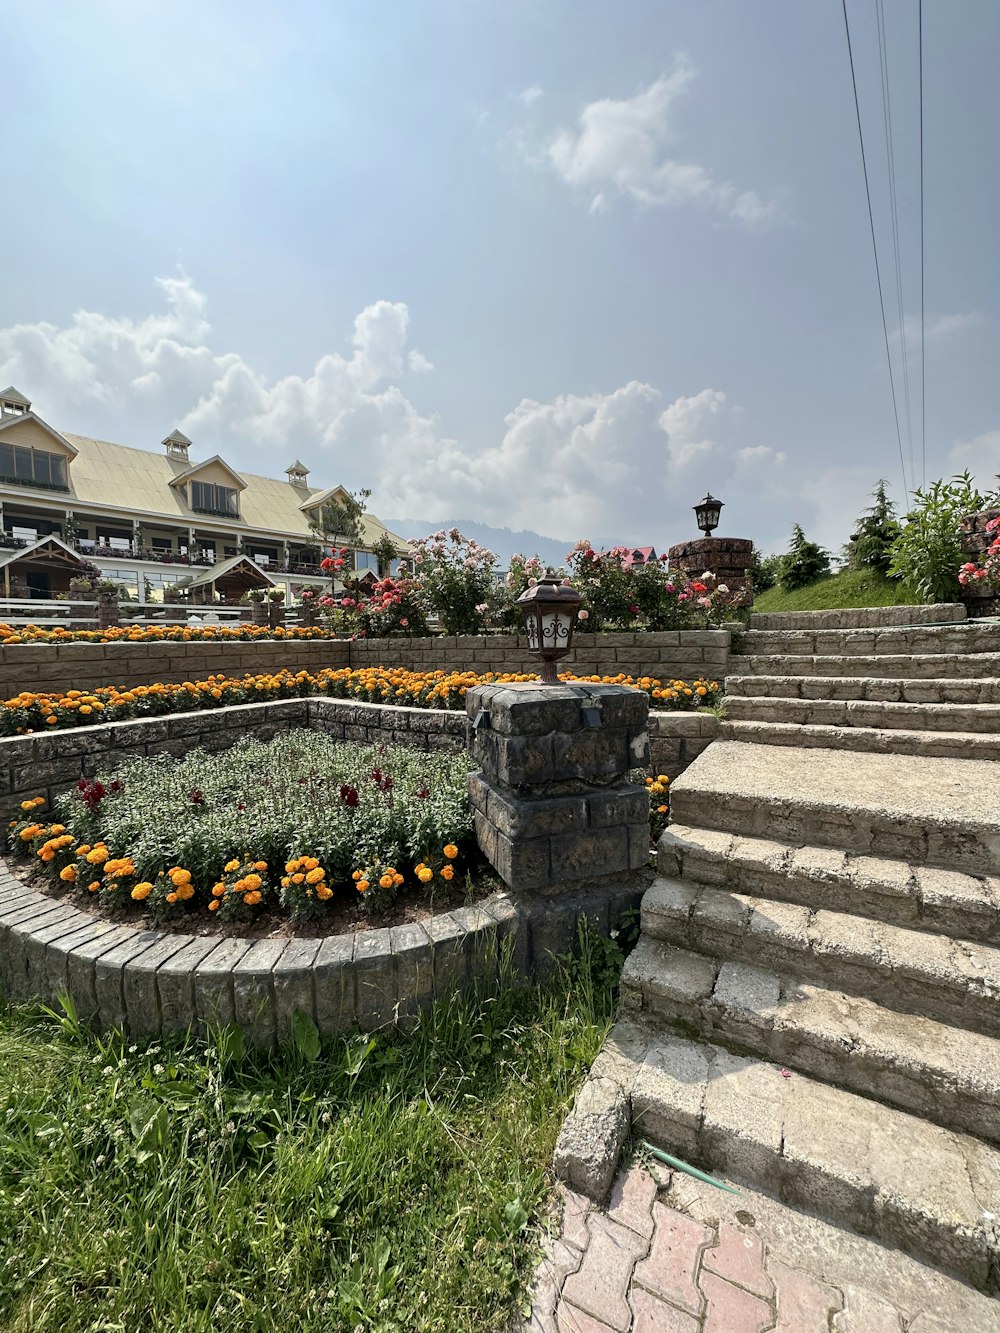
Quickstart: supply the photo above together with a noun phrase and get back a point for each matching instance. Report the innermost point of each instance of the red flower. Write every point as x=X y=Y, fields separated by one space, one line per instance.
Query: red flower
x=349 y=795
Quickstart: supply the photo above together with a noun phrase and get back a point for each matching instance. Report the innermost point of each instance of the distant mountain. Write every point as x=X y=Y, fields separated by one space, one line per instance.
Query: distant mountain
x=505 y=542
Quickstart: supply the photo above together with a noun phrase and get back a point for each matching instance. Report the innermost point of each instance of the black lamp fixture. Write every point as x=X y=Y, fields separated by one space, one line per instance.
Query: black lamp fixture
x=550 y=608
x=707 y=513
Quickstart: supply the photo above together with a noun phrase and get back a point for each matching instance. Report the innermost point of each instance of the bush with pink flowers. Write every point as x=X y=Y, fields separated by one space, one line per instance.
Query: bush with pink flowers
x=987 y=574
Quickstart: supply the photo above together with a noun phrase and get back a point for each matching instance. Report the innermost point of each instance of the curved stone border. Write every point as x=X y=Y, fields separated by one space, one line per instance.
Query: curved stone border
x=148 y=981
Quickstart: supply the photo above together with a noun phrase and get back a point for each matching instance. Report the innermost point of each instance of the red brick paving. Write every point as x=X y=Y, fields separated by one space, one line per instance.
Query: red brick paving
x=640 y=1266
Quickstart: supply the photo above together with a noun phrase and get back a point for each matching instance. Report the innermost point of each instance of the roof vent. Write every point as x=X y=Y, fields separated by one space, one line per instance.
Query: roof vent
x=177 y=445
x=13 y=402
x=297 y=473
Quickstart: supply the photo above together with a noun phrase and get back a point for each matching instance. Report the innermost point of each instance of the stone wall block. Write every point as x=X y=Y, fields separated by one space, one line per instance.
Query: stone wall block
x=253 y=991
x=594 y=855
x=142 y=1007
x=413 y=952
x=627 y=804
x=333 y=981
x=450 y=963
x=109 y=984
x=516 y=817
x=292 y=980
x=375 y=977
x=175 y=982
x=213 y=984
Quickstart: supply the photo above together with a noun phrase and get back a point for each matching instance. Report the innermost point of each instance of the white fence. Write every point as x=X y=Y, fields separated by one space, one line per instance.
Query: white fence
x=48 y=613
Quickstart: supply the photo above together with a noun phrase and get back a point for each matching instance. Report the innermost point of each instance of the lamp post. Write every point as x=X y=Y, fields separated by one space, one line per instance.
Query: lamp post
x=707 y=513
x=550 y=609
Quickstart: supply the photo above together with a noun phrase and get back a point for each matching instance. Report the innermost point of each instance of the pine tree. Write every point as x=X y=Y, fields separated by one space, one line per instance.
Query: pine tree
x=877 y=529
x=764 y=571
x=804 y=562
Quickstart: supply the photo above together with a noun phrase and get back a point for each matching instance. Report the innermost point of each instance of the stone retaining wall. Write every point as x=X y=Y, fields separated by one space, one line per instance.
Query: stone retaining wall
x=668 y=655
x=981 y=600
x=149 y=981
x=87 y=666
x=47 y=763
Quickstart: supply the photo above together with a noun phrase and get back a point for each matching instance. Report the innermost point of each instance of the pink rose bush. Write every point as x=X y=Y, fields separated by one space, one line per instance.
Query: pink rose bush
x=987 y=574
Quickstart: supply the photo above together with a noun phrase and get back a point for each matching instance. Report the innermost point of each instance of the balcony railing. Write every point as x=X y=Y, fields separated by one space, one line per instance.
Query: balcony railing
x=153 y=556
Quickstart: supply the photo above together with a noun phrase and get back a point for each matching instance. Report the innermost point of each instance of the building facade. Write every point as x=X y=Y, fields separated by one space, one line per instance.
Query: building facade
x=157 y=521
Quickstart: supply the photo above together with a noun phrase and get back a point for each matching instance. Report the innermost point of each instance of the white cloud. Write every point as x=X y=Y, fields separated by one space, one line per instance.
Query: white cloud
x=941 y=328
x=529 y=96
x=981 y=456
x=621 y=145
x=616 y=465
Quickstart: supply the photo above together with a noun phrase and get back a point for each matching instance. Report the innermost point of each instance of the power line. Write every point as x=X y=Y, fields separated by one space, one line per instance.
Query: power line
x=923 y=381
x=871 y=224
x=890 y=162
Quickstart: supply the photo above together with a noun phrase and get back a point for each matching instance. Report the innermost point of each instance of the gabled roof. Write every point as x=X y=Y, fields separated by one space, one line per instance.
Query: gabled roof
x=223 y=567
x=177 y=437
x=320 y=497
x=195 y=468
x=55 y=545
x=298 y=467
x=12 y=395
x=7 y=422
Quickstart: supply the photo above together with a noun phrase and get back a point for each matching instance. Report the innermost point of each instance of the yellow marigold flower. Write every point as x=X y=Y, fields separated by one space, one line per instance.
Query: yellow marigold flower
x=356 y=876
x=299 y=878
x=425 y=874
x=171 y=897
x=662 y=777
x=363 y=886
x=314 y=876
x=447 y=872
x=68 y=874
x=232 y=865
x=290 y=866
x=451 y=851
x=185 y=891
x=310 y=862
x=27 y=805
x=252 y=899
x=386 y=882
x=180 y=877
x=218 y=889
x=142 y=891
x=252 y=881
x=323 y=891
x=98 y=855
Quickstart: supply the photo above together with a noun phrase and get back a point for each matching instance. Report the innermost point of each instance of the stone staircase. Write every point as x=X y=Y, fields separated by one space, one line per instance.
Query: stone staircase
x=813 y=1006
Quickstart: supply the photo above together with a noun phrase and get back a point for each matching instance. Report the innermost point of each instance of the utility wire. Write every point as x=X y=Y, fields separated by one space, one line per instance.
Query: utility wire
x=890 y=162
x=871 y=224
x=923 y=380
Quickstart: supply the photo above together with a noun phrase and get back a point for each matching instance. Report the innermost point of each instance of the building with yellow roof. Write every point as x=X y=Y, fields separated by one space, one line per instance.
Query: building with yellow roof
x=157 y=520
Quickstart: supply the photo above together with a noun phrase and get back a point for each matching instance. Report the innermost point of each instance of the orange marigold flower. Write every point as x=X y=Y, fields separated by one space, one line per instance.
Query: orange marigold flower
x=252 y=899
x=386 y=882
x=363 y=886
x=451 y=851
x=213 y=906
x=316 y=875
x=447 y=872
x=142 y=891
x=171 y=897
x=68 y=874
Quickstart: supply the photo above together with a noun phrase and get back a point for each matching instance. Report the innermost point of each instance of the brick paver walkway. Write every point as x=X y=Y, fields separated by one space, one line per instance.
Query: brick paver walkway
x=669 y=1255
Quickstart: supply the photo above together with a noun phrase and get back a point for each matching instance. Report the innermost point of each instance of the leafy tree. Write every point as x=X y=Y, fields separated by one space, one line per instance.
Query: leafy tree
x=764 y=570
x=385 y=551
x=927 y=554
x=338 y=521
x=803 y=563
x=871 y=543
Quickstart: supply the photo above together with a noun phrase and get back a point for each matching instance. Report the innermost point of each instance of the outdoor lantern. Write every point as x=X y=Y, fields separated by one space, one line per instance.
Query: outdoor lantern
x=707 y=513
x=550 y=610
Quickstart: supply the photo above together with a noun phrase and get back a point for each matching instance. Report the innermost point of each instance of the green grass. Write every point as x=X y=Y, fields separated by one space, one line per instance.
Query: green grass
x=851 y=588
x=375 y=1183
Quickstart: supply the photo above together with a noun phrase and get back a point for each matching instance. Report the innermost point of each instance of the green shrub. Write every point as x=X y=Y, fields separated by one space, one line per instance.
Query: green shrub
x=877 y=529
x=804 y=562
x=927 y=554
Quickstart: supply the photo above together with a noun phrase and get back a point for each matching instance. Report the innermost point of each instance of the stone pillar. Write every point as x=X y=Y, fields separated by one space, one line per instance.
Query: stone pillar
x=308 y=613
x=728 y=558
x=259 y=614
x=275 y=614
x=981 y=599
x=107 y=610
x=554 y=808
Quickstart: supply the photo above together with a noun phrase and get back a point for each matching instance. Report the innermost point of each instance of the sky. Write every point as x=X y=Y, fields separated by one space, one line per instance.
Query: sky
x=557 y=265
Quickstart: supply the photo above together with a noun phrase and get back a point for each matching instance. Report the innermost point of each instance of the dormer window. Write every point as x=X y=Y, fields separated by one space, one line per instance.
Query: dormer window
x=207 y=498
x=32 y=467
x=13 y=402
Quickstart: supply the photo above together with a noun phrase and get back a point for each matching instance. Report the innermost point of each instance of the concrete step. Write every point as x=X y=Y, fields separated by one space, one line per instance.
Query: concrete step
x=890 y=666
x=861 y=617
x=928 y=1191
x=869 y=740
x=981 y=690
x=917 y=897
x=942 y=1073
x=970 y=637
x=864 y=713
x=912 y=971
x=930 y=811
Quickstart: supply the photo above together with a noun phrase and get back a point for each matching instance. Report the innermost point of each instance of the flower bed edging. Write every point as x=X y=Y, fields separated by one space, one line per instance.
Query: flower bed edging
x=47 y=763
x=147 y=981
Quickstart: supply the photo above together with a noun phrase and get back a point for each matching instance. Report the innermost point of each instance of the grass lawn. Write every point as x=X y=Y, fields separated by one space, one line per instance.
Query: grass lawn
x=375 y=1183
x=851 y=588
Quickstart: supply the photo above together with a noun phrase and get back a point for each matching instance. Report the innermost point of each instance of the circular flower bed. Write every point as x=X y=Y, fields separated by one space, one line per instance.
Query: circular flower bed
x=301 y=826
x=30 y=711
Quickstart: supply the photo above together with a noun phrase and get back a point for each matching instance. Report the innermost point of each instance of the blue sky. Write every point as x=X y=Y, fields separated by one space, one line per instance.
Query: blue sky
x=560 y=266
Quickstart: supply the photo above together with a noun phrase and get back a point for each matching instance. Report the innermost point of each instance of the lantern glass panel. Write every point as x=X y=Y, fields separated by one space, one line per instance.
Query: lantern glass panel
x=555 y=628
x=531 y=630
